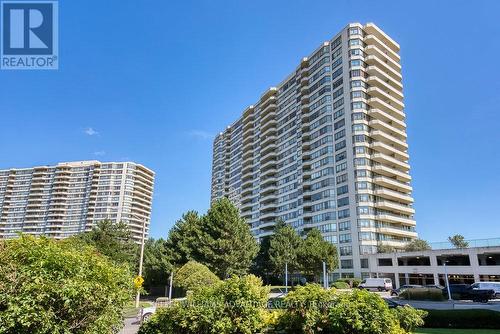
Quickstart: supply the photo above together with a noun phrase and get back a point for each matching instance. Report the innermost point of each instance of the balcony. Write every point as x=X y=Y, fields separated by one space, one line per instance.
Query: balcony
x=395 y=219
x=379 y=73
x=387 y=118
x=393 y=195
x=388 y=171
x=390 y=150
x=383 y=42
x=389 y=68
x=390 y=140
x=392 y=162
x=392 y=184
x=377 y=103
x=393 y=206
x=388 y=128
x=393 y=101
x=374 y=81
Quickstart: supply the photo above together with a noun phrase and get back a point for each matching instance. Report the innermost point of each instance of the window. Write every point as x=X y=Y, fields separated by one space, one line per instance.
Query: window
x=343 y=213
x=344 y=226
x=354 y=31
x=340 y=145
x=343 y=189
x=342 y=202
x=339 y=124
x=346 y=264
x=345 y=250
x=387 y=262
x=341 y=156
x=364 y=263
x=345 y=238
x=341 y=178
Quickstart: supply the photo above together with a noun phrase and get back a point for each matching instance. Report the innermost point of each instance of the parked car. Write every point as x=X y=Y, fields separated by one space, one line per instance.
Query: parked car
x=146 y=313
x=488 y=286
x=396 y=292
x=380 y=284
x=434 y=286
x=466 y=292
x=391 y=303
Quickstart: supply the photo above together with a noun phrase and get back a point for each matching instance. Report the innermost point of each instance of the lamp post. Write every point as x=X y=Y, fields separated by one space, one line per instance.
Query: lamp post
x=141 y=258
x=446 y=280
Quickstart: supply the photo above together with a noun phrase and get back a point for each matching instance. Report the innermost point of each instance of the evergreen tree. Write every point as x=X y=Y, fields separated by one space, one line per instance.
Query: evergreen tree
x=314 y=251
x=284 y=245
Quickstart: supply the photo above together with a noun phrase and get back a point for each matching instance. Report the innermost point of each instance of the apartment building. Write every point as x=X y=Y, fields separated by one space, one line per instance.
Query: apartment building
x=326 y=148
x=71 y=197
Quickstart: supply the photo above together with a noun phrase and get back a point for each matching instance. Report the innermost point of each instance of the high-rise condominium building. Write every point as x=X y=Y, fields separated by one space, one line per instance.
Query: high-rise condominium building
x=327 y=149
x=60 y=201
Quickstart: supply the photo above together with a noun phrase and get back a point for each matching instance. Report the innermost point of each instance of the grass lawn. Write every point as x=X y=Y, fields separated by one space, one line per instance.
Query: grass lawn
x=456 y=331
x=130 y=311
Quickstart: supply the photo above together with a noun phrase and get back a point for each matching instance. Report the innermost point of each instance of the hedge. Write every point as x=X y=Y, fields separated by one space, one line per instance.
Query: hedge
x=422 y=294
x=465 y=319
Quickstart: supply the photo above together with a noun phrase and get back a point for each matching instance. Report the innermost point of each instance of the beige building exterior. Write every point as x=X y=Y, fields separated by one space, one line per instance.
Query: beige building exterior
x=464 y=265
x=69 y=198
x=327 y=148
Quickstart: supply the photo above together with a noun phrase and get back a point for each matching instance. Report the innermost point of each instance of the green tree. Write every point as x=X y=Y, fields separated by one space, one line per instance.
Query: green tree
x=385 y=249
x=157 y=263
x=113 y=240
x=458 y=241
x=184 y=239
x=417 y=245
x=226 y=246
x=194 y=275
x=261 y=264
x=284 y=246
x=64 y=287
x=313 y=251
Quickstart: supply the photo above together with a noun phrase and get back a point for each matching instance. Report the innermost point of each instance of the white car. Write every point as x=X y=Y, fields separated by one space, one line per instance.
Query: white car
x=380 y=284
x=495 y=286
x=146 y=313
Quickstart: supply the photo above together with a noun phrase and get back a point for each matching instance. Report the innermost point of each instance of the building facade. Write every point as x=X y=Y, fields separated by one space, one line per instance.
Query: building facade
x=480 y=263
x=326 y=149
x=69 y=198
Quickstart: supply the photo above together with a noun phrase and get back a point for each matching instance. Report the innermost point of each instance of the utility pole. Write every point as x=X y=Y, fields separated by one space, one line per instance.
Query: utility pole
x=141 y=258
x=446 y=280
x=325 y=284
x=286 y=277
x=170 y=286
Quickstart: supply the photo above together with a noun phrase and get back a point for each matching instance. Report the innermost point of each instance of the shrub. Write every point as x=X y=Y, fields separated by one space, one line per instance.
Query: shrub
x=409 y=318
x=307 y=309
x=194 y=275
x=352 y=282
x=341 y=285
x=49 y=286
x=422 y=294
x=360 y=312
x=232 y=306
x=473 y=319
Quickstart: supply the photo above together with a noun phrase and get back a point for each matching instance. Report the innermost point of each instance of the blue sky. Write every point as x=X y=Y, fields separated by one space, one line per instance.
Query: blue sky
x=154 y=81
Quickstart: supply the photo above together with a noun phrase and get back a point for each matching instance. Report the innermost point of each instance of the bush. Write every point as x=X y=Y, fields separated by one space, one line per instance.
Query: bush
x=194 y=275
x=49 y=286
x=341 y=285
x=473 y=319
x=306 y=309
x=236 y=305
x=352 y=282
x=409 y=318
x=360 y=312
x=422 y=294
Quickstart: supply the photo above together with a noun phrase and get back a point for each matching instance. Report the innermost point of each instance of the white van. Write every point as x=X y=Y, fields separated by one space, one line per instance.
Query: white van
x=380 y=284
x=488 y=286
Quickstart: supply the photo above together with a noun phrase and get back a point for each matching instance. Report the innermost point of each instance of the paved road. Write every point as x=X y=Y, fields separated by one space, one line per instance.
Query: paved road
x=131 y=326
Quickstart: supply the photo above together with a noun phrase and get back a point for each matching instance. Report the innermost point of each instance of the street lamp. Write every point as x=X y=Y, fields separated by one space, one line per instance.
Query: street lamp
x=141 y=258
x=446 y=279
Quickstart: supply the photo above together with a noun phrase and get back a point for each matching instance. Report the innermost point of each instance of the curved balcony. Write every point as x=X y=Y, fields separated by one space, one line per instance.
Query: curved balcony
x=388 y=160
x=392 y=184
x=389 y=99
x=387 y=118
x=377 y=103
x=388 y=139
x=391 y=172
x=396 y=207
x=393 y=195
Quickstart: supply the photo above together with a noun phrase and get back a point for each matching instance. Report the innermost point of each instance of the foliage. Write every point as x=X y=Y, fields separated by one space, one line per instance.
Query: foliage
x=184 y=238
x=227 y=246
x=458 y=241
x=306 y=309
x=61 y=287
x=341 y=285
x=157 y=263
x=313 y=251
x=352 y=282
x=422 y=294
x=360 y=312
x=261 y=263
x=385 y=249
x=232 y=306
x=417 y=245
x=472 y=318
x=194 y=275
x=221 y=240
x=409 y=318
x=112 y=240
x=284 y=245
